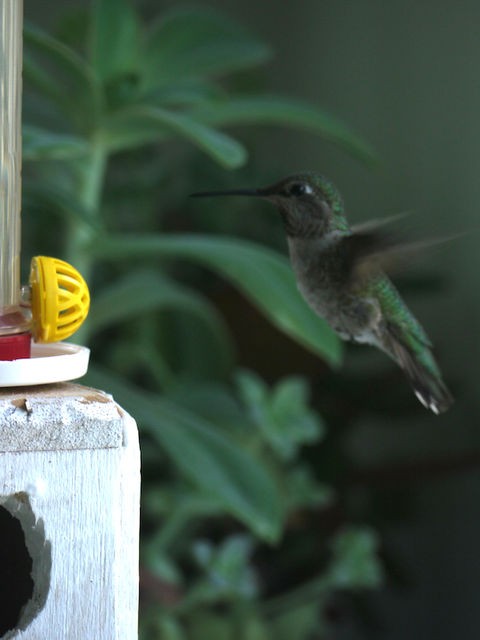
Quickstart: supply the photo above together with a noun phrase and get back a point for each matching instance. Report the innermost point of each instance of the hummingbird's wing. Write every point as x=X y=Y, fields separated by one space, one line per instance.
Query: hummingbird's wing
x=367 y=257
x=378 y=223
x=365 y=252
x=370 y=249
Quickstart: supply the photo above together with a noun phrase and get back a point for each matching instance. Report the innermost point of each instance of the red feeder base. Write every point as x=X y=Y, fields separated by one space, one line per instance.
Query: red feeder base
x=15 y=346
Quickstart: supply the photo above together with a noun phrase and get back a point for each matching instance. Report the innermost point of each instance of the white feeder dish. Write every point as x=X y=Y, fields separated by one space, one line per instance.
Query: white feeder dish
x=49 y=363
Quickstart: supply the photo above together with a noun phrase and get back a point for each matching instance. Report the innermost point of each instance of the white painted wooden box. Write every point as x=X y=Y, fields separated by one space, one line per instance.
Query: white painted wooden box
x=69 y=515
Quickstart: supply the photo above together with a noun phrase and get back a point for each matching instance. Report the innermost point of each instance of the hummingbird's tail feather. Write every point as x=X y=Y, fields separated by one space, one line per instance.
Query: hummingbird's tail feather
x=422 y=374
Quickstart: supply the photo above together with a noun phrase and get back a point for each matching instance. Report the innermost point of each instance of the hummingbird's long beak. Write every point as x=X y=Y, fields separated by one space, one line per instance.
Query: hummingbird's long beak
x=231 y=192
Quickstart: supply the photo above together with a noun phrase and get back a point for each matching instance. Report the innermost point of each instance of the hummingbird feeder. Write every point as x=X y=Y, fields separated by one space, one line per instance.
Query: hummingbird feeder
x=34 y=318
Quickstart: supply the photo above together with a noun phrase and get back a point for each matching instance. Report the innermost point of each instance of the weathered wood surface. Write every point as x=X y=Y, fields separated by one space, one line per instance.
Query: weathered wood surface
x=70 y=455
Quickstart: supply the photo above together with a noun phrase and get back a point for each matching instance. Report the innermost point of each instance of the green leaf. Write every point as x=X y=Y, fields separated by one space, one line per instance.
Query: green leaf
x=152 y=292
x=295 y=423
x=299 y=622
x=279 y=110
x=282 y=416
x=139 y=125
x=161 y=566
x=193 y=350
x=303 y=490
x=254 y=628
x=203 y=624
x=61 y=75
x=213 y=401
x=114 y=38
x=192 y=43
x=208 y=458
x=264 y=276
x=185 y=93
x=166 y=627
x=229 y=574
x=355 y=563
x=41 y=144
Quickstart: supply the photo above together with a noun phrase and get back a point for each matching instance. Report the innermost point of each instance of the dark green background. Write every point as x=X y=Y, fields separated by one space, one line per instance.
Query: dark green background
x=405 y=75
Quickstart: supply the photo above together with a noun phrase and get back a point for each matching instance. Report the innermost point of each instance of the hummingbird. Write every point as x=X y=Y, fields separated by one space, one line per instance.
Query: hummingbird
x=340 y=273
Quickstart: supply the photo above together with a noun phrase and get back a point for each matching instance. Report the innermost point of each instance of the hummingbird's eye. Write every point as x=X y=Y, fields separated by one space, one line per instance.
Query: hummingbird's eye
x=299 y=189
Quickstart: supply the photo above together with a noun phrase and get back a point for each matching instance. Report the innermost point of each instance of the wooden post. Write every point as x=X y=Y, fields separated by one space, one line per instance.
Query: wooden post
x=69 y=515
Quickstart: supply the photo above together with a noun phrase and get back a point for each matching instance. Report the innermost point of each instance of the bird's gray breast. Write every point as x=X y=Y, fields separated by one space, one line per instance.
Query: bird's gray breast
x=320 y=279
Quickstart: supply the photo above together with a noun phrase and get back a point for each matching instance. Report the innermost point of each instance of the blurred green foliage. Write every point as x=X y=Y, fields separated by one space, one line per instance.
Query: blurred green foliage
x=117 y=113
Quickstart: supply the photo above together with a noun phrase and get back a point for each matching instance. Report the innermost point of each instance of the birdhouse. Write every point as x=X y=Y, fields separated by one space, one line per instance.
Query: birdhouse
x=69 y=515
